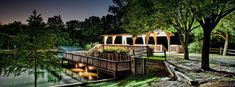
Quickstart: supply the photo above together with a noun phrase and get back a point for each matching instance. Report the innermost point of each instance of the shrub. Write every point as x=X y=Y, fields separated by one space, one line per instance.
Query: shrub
x=195 y=47
x=90 y=45
x=119 y=50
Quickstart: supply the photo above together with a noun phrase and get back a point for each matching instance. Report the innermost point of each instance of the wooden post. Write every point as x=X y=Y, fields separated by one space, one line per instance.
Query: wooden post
x=221 y=51
x=147 y=51
x=144 y=65
x=129 y=64
x=72 y=56
x=165 y=54
x=87 y=60
x=134 y=65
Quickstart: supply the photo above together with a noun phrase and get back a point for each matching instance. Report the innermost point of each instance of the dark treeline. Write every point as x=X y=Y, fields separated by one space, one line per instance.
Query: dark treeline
x=71 y=33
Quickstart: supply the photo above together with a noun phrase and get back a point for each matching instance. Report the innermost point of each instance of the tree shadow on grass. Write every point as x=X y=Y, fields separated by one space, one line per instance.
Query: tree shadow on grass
x=228 y=74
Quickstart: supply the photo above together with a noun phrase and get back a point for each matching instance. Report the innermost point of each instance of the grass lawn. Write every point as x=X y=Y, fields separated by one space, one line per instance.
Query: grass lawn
x=156 y=57
x=132 y=81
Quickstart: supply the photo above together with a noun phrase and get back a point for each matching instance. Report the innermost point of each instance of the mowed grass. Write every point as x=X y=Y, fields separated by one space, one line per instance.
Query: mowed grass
x=132 y=81
x=156 y=57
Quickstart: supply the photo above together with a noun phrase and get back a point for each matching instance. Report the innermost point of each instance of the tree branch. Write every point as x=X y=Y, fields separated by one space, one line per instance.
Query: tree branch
x=227 y=12
x=194 y=28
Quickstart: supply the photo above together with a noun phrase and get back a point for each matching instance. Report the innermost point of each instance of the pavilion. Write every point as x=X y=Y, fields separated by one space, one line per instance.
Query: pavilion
x=145 y=40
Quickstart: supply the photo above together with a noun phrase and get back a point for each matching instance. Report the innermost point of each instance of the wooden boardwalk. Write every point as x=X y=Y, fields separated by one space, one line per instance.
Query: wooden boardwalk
x=103 y=64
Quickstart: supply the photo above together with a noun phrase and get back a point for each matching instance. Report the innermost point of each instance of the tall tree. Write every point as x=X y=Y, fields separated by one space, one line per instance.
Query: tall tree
x=57 y=27
x=73 y=27
x=209 y=13
x=89 y=26
x=138 y=17
x=225 y=29
x=32 y=49
x=8 y=31
x=180 y=15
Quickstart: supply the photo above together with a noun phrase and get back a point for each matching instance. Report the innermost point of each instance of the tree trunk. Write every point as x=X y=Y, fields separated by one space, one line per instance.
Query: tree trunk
x=35 y=72
x=226 y=44
x=205 y=49
x=184 y=42
x=186 y=53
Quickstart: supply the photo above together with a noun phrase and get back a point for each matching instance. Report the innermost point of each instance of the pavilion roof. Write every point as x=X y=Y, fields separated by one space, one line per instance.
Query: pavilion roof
x=159 y=33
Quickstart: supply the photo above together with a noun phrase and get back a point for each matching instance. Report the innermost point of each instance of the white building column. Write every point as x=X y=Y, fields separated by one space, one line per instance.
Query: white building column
x=155 y=41
x=168 y=36
x=113 y=39
x=105 y=39
x=143 y=38
x=147 y=36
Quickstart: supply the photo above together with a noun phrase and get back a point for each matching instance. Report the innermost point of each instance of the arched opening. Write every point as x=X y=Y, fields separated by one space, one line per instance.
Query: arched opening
x=109 y=40
x=129 y=40
x=139 y=40
x=118 y=40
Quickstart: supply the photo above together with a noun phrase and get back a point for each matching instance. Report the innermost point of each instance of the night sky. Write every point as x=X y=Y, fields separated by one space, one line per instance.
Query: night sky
x=20 y=10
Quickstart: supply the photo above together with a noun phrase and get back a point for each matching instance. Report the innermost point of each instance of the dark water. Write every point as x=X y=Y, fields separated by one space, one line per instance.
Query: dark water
x=26 y=79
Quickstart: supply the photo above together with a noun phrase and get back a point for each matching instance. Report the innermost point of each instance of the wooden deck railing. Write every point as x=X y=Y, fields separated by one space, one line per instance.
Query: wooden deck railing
x=102 y=63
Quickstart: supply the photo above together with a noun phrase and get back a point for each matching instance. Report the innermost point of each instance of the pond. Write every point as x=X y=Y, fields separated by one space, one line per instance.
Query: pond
x=26 y=79
x=47 y=78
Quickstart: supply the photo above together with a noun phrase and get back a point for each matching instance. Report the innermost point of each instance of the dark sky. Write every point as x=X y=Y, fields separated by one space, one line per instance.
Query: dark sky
x=20 y=10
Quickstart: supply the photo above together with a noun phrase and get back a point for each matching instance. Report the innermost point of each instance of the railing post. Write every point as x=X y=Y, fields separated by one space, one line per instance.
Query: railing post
x=144 y=66
x=165 y=54
x=147 y=52
x=87 y=60
x=116 y=67
x=72 y=56
x=133 y=52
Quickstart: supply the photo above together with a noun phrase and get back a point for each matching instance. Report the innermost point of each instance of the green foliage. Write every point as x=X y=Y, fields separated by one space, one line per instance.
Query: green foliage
x=32 y=49
x=118 y=50
x=91 y=45
x=226 y=25
x=195 y=47
x=156 y=57
x=139 y=18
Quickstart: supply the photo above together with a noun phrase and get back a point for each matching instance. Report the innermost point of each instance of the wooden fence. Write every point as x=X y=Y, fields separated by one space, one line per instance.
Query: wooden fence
x=220 y=51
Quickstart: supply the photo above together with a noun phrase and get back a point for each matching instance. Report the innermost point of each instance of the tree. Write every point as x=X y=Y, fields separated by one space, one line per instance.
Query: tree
x=74 y=29
x=138 y=17
x=8 y=31
x=89 y=26
x=57 y=27
x=32 y=49
x=209 y=13
x=225 y=29
x=180 y=15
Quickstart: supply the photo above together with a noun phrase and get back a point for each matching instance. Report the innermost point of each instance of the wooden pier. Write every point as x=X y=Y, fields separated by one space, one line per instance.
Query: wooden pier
x=113 y=66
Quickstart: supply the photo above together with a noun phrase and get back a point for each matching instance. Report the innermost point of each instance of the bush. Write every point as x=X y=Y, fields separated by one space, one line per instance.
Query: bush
x=90 y=45
x=119 y=50
x=195 y=47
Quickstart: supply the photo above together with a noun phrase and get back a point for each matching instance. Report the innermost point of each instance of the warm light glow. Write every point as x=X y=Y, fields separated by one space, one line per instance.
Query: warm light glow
x=81 y=65
x=91 y=67
x=80 y=73
x=76 y=66
x=90 y=77
x=77 y=70
x=87 y=74
x=86 y=69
